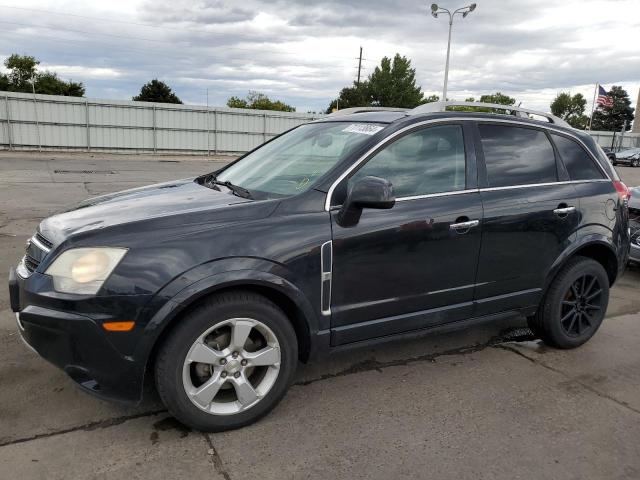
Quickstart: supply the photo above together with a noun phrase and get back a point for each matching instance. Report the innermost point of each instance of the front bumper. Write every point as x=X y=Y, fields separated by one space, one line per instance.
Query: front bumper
x=634 y=255
x=76 y=343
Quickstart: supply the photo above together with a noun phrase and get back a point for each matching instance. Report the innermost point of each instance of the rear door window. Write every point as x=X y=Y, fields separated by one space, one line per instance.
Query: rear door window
x=517 y=155
x=579 y=164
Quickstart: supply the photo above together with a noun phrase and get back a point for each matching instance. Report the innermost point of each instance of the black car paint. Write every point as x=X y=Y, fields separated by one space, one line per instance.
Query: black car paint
x=395 y=271
x=634 y=224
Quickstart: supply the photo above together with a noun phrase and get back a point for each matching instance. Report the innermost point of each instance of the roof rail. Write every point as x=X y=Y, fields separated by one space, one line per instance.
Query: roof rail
x=518 y=111
x=350 y=110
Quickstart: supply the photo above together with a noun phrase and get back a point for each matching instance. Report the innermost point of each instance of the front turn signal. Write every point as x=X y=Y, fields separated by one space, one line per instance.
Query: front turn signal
x=118 y=326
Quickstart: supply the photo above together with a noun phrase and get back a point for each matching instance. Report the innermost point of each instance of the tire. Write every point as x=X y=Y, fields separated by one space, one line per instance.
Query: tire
x=573 y=308
x=635 y=163
x=266 y=362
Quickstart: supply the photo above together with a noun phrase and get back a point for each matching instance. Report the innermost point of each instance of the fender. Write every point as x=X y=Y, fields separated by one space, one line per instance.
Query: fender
x=207 y=278
x=581 y=242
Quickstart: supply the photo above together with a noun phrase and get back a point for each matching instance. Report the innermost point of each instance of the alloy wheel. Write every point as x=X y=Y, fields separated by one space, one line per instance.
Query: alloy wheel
x=581 y=305
x=231 y=366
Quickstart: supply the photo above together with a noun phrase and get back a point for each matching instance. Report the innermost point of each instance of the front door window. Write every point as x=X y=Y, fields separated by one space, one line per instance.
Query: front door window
x=423 y=162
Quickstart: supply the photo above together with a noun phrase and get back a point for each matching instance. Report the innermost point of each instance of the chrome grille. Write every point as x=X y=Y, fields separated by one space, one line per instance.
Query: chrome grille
x=36 y=250
x=31 y=263
x=39 y=237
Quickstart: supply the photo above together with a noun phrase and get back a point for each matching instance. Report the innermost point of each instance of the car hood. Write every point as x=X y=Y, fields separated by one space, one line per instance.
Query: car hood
x=628 y=153
x=159 y=200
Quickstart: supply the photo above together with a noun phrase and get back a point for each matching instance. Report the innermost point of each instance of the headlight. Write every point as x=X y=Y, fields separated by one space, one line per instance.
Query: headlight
x=84 y=270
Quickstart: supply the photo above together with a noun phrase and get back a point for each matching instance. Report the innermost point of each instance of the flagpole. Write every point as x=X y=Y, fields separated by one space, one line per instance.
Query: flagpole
x=593 y=105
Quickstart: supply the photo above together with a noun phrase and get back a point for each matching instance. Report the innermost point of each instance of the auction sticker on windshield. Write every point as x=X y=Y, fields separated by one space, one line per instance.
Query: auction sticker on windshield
x=363 y=128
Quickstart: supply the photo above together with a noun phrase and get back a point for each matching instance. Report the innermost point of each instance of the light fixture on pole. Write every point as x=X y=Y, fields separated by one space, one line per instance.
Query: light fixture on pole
x=464 y=11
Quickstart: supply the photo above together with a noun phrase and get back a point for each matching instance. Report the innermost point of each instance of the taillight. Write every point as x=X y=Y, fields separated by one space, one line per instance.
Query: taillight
x=623 y=191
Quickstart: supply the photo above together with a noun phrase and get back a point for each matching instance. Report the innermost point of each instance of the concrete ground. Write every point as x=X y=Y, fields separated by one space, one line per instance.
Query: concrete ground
x=482 y=403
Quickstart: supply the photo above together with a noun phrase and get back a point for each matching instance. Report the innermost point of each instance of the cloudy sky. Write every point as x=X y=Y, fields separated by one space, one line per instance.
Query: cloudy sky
x=304 y=52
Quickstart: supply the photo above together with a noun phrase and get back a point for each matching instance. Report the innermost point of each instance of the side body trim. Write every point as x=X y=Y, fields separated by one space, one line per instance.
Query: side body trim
x=326 y=263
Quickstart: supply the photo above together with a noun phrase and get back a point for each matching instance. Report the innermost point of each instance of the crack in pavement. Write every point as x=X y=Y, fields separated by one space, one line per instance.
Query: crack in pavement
x=620 y=403
x=215 y=458
x=509 y=335
x=87 y=427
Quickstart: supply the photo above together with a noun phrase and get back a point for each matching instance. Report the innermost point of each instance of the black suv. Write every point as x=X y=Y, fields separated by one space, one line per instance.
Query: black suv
x=356 y=228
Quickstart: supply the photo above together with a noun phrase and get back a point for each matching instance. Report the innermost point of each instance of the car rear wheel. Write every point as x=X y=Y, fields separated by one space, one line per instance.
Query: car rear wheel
x=574 y=306
x=227 y=363
x=635 y=162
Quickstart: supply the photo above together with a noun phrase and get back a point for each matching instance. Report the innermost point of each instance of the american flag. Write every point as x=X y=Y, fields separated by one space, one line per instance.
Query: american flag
x=604 y=99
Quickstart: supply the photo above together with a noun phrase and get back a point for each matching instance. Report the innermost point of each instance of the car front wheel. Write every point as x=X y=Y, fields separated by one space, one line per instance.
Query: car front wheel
x=227 y=363
x=574 y=306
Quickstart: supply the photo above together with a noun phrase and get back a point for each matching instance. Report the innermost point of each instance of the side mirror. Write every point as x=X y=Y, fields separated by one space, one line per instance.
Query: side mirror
x=367 y=192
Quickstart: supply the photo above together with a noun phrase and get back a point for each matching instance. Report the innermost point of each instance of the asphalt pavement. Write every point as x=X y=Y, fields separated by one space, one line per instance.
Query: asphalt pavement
x=488 y=402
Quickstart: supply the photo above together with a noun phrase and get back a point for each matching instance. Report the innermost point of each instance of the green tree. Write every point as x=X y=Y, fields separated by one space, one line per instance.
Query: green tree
x=236 y=102
x=571 y=109
x=24 y=77
x=498 y=98
x=22 y=71
x=612 y=118
x=48 y=83
x=356 y=96
x=156 y=91
x=431 y=99
x=259 y=101
x=391 y=84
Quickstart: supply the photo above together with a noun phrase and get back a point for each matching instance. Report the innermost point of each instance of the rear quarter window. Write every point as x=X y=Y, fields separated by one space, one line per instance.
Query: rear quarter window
x=577 y=161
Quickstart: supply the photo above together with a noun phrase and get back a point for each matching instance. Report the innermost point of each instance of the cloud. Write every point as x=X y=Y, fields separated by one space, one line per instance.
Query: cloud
x=305 y=52
x=79 y=71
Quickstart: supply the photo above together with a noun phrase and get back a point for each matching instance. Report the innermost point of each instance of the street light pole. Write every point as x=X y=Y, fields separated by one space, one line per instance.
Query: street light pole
x=446 y=66
x=464 y=11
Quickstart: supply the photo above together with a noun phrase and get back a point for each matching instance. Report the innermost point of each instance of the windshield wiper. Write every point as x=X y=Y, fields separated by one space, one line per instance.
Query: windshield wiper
x=237 y=190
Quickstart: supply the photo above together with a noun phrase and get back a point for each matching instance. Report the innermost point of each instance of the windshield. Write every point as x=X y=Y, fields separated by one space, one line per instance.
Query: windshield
x=291 y=163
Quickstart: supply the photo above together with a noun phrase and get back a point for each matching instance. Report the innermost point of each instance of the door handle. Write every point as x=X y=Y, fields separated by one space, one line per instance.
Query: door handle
x=464 y=225
x=564 y=211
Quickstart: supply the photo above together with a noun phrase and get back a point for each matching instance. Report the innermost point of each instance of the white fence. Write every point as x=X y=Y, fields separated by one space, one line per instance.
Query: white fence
x=50 y=122
x=616 y=140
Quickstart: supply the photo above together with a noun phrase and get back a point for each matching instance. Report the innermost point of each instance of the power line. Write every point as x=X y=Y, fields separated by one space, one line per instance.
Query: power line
x=126 y=37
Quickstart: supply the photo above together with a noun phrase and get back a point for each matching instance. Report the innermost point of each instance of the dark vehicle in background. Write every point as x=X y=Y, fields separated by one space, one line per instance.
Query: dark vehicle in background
x=358 y=228
x=630 y=156
x=634 y=224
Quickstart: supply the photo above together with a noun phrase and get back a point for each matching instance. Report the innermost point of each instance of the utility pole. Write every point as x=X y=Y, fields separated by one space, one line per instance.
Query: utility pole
x=359 y=65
